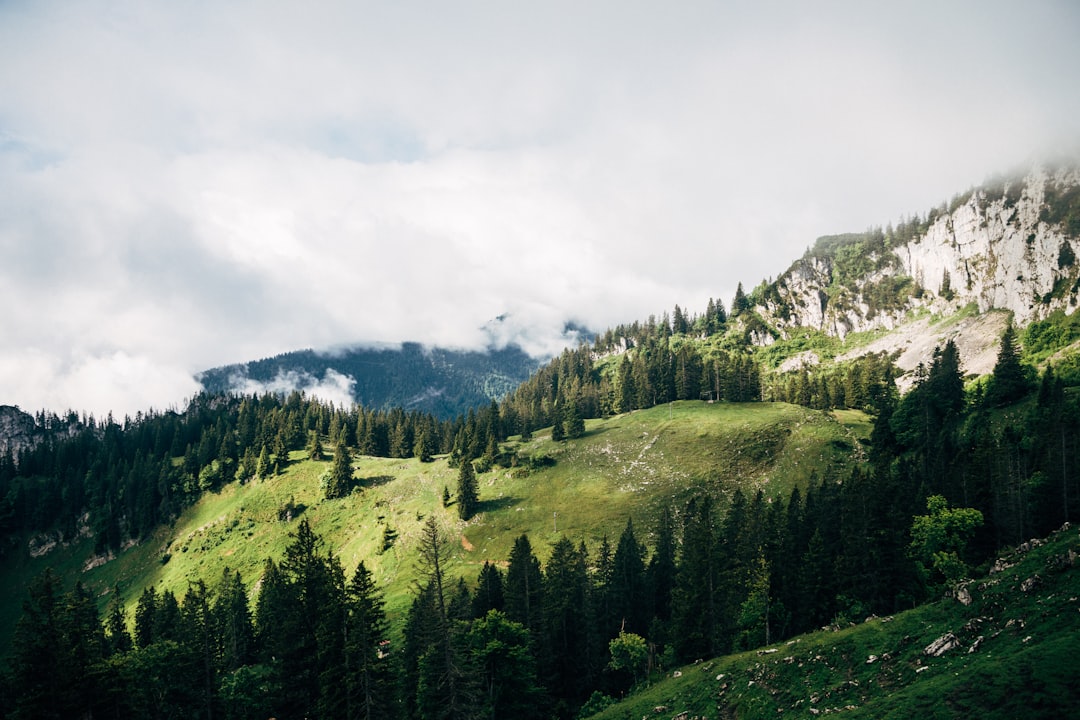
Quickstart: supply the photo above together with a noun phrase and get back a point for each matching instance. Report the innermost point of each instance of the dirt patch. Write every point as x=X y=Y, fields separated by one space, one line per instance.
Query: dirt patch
x=466 y=544
x=977 y=337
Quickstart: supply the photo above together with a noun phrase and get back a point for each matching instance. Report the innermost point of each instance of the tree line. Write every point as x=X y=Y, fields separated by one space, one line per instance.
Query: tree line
x=119 y=480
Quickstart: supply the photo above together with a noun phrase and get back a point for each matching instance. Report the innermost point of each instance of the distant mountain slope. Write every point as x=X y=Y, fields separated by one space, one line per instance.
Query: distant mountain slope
x=442 y=382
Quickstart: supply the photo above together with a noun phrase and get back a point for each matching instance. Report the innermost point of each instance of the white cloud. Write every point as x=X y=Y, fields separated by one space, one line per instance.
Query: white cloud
x=188 y=185
x=334 y=387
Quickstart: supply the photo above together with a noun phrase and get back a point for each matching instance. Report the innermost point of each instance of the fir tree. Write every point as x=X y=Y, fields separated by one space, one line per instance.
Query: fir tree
x=315 y=447
x=467 y=497
x=340 y=478
x=1009 y=382
x=369 y=676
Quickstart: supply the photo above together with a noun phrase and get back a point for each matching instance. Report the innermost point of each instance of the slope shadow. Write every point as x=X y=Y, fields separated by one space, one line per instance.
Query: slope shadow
x=373 y=481
x=500 y=503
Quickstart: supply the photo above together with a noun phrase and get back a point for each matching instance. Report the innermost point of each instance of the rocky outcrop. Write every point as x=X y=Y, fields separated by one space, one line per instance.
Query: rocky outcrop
x=1000 y=251
x=18 y=431
x=1005 y=246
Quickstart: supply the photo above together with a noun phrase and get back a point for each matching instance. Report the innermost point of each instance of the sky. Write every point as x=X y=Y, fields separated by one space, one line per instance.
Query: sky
x=187 y=185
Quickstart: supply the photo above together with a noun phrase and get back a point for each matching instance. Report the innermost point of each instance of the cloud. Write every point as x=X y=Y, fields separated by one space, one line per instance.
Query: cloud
x=334 y=387
x=196 y=184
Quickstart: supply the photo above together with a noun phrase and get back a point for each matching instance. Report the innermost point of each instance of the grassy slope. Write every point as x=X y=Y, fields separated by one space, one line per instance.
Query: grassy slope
x=1025 y=665
x=625 y=466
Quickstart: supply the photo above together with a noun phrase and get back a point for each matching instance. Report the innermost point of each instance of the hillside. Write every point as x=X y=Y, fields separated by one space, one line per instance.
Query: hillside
x=1004 y=649
x=625 y=467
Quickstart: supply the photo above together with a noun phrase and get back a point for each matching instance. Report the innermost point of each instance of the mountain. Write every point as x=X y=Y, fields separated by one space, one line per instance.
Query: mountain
x=761 y=473
x=1007 y=246
x=443 y=382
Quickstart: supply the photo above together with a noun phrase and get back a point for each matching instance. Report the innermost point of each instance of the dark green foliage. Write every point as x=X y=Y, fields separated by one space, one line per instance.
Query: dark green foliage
x=315 y=447
x=630 y=606
x=506 y=670
x=1066 y=256
x=1009 y=382
x=565 y=619
x=339 y=479
x=468 y=499
x=523 y=587
x=370 y=683
x=1062 y=207
x=489 y=591
x=695 y=600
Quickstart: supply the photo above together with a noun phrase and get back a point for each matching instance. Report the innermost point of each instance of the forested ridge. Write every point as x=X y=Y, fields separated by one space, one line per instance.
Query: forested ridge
x=955 y=472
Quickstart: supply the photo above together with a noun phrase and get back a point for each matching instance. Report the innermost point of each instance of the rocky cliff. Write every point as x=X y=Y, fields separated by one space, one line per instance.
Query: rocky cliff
x=18 y=431
x=1009 y=245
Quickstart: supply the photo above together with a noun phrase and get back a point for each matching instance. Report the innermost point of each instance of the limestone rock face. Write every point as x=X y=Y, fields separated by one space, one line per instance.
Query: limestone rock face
x=999 y=254
x=1000 y=248
x=18 y=430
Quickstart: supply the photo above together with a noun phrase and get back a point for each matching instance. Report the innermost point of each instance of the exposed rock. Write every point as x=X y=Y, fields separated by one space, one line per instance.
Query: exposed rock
x=963 y=595
x=1000 y=565
x=18 y=431
x=942 y=645
x=975 y=645
x=994 y=250
x=1031 y=583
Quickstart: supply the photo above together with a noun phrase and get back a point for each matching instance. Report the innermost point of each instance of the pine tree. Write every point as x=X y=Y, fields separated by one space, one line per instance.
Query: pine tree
x=442 y=680
x=628 y=583
x=661 y=569
x=626 y=390
x=369 y=675
x=741 y=303
x=566 y=615
x=265 y=468
x=467 y=497
x=575 y=425
x=695 y=603
x=339 y=481
x=1009 y=383
x=117 y=636
x=145 y=612
x=315 y=447
x=558 y=428
x=499 y=650
x=232 y=615
x=37 y=663
x=489 y=591
x=523 y=590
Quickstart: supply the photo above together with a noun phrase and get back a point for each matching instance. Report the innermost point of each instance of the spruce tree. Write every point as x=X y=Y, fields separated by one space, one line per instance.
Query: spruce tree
x=369 y=678
x=575 y=425
x=489 y=591
x=315 y=447
x=467 y=497
x=340 y=478
x=1009 y=382
x=628 y=584
x=523 y=588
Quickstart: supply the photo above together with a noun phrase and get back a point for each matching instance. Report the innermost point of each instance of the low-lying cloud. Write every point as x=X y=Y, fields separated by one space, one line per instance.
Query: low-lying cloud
x=333 y=387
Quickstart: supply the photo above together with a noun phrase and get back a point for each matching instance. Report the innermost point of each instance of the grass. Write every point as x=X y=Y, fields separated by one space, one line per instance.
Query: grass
x=1015 y=657
x=626 y=466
